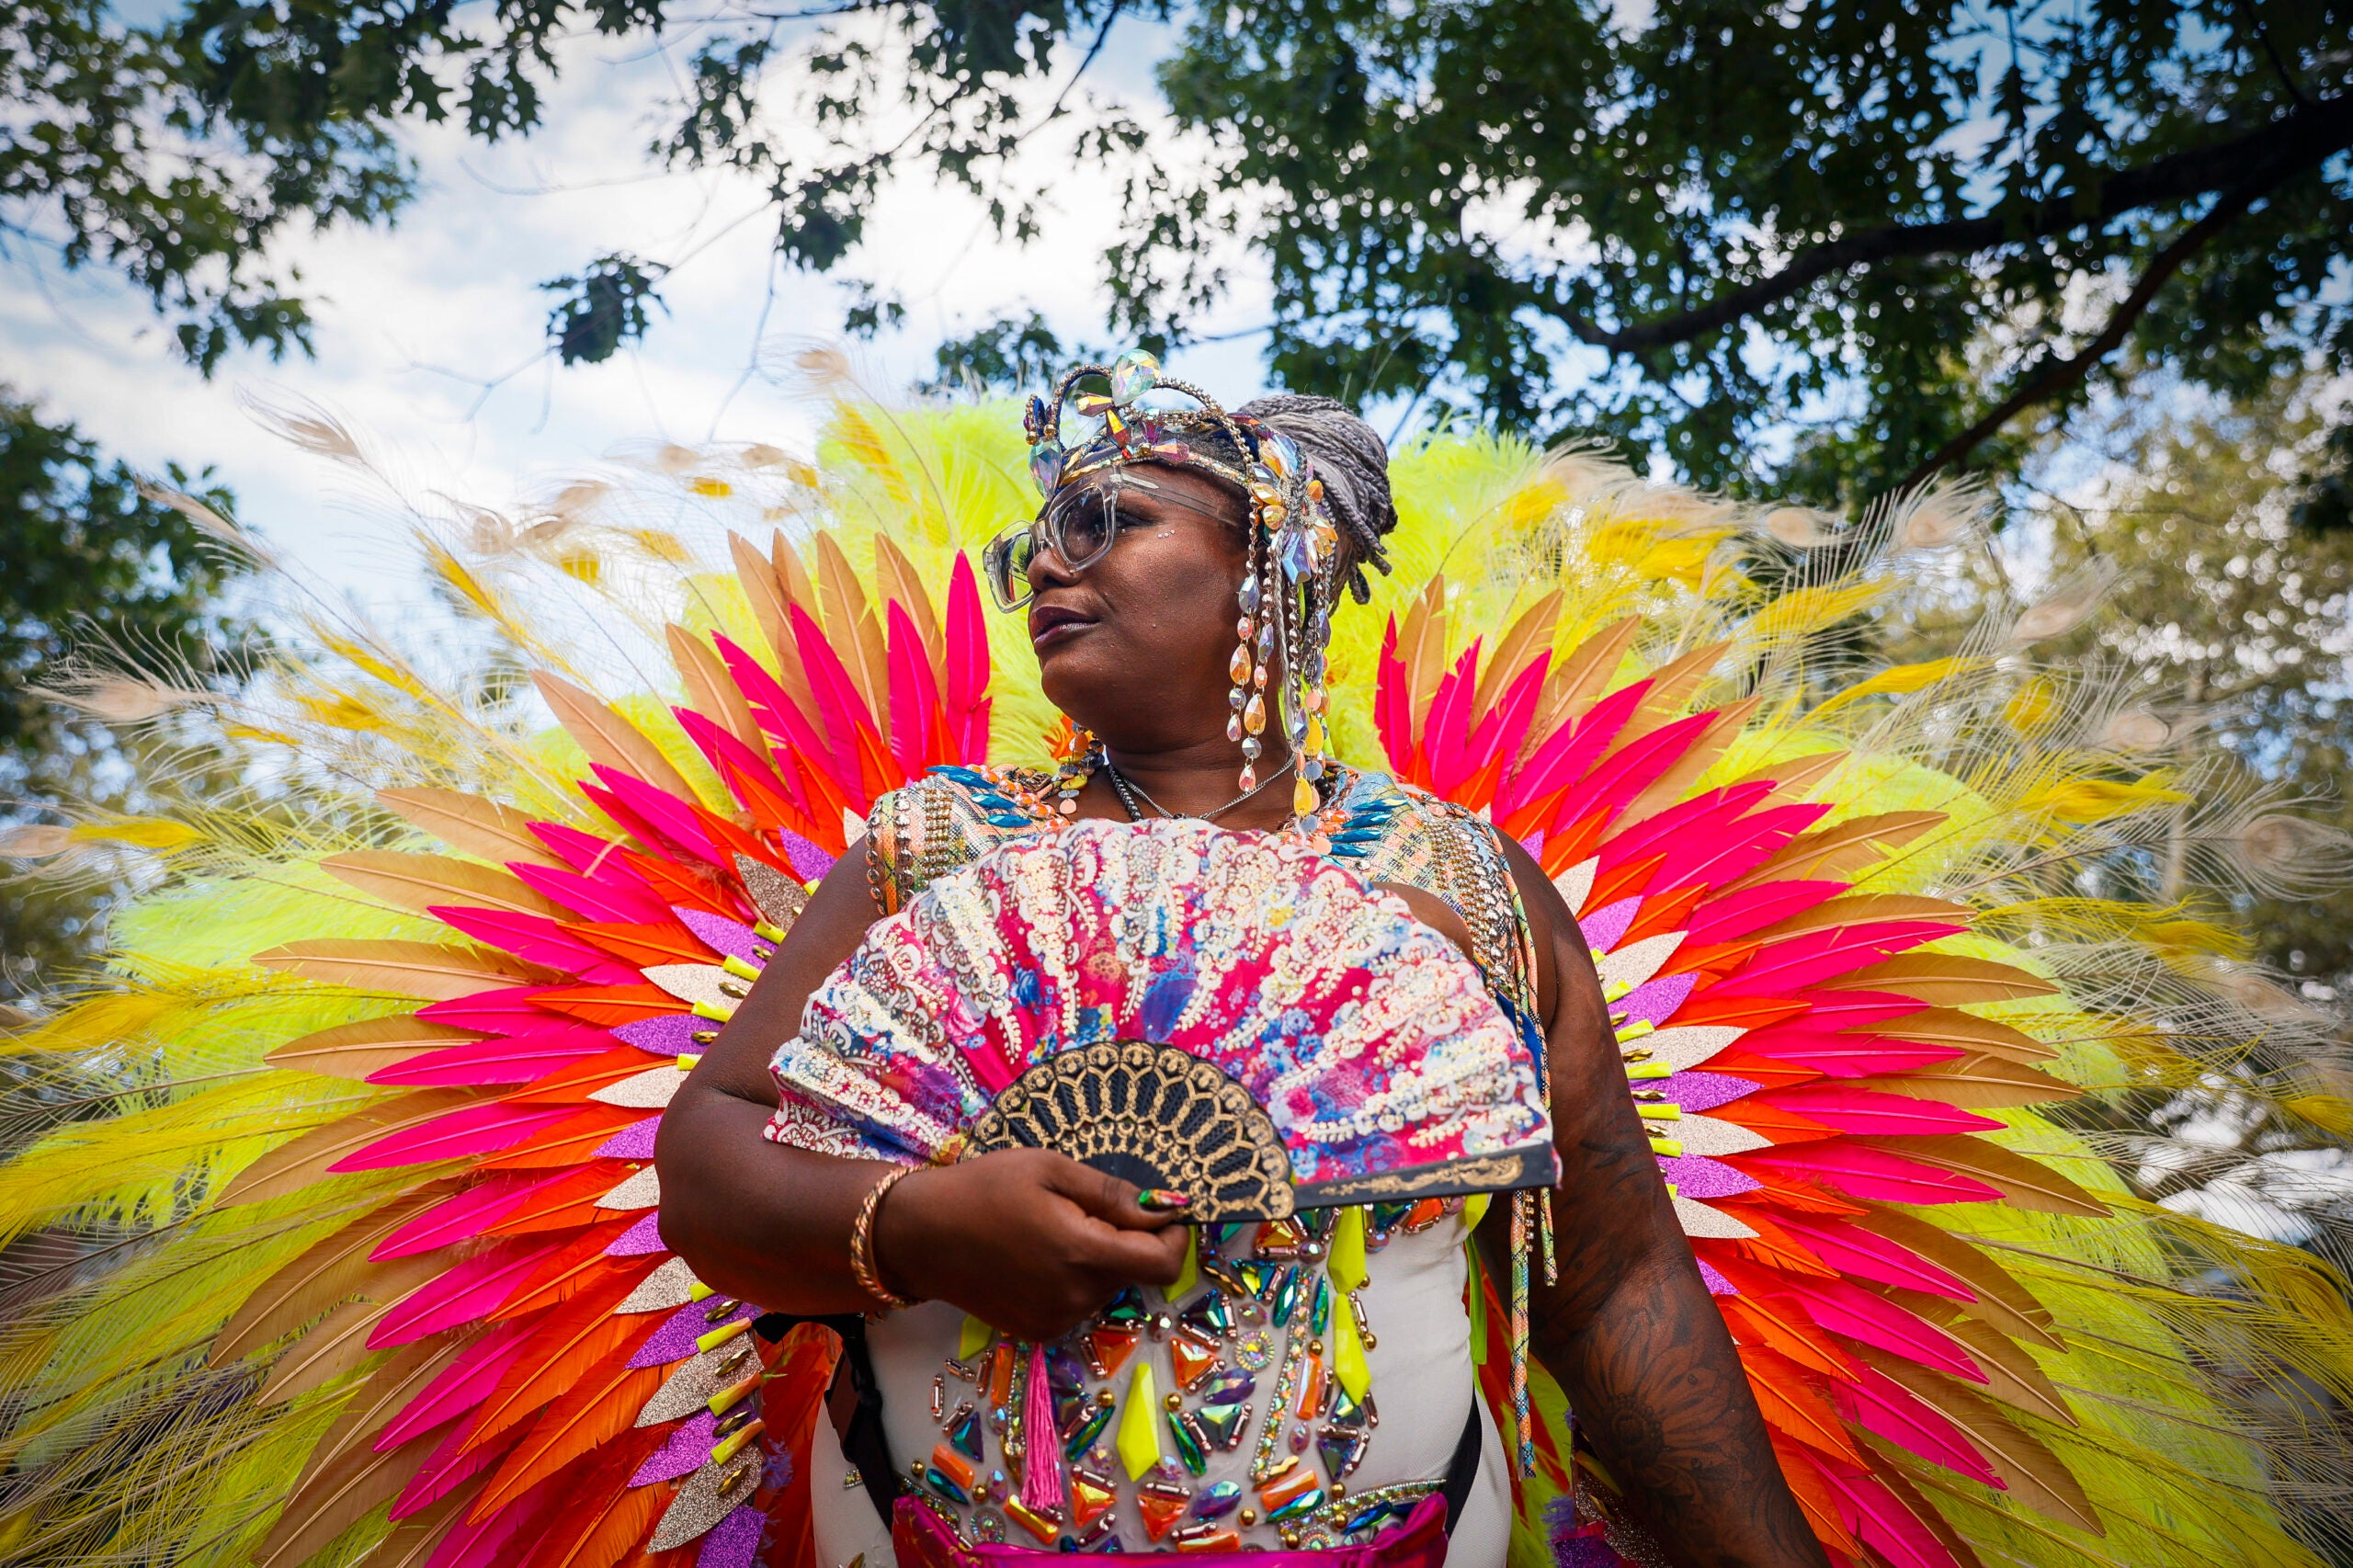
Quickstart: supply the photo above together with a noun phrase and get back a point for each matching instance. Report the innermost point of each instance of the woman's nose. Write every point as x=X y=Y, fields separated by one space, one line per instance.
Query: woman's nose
x=1048 y=568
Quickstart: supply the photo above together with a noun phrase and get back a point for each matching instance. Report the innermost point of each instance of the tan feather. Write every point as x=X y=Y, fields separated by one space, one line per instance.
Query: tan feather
x=1673 y=685
x=760 y=589
x=2032 y=1472
x=1792 y=781
x=1833 y=852
x=1703 y=753
x=417 y=882
x=791 y=575
x=1983 y=1082
x=1421 y=643
x=292 y=1166
x=385 y=1393
x=431 y=970
x=1945 y=980
x=608 y=737
x=2029 y=1184
x=340 y=1344
x=1920 y=1508
x=851 y=628
x=1578 y=679
x=1944 y=1025
x=321 y=1275
x=1530 y=635
x=895 y=575
x=710 y=691
x=344 y=1492
x=471 y=824
x=354 y=1051
x=2011 y=1376
x=2012 y=1303
x=411 y=1542
x=1850 y=909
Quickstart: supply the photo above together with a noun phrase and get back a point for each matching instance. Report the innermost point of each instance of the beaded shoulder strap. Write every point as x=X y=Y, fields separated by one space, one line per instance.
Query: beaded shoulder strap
x=946 y=818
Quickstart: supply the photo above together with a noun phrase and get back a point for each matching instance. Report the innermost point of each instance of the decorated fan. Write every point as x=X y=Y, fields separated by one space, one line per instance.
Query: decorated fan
x=1226 y=1015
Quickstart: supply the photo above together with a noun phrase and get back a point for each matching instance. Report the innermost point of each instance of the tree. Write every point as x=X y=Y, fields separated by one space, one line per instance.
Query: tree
x=1908 y=236
x=88 y=561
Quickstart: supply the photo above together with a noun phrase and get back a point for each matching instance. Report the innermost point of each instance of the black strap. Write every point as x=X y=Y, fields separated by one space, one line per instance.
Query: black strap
x=1462 y=1469
x=855 y=1404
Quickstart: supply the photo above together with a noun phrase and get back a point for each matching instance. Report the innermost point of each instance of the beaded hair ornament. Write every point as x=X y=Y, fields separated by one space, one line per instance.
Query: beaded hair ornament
x=1292 y=579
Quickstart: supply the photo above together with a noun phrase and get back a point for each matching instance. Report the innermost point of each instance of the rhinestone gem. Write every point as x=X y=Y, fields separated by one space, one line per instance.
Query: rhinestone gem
x=1216 y=1501
x=1046 y=461
x=1134 y=374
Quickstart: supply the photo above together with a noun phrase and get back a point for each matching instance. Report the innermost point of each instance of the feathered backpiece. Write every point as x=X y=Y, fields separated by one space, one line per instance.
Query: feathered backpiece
x=334 y=1194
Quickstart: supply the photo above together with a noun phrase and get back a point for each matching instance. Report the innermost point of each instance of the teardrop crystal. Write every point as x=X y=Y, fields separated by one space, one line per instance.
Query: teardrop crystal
x=1250 y=597
x=1253 y=718
x=1233 y=726
x=1134 y=374
x=1239 y=665
x=1248 y=781
x=1303 y=796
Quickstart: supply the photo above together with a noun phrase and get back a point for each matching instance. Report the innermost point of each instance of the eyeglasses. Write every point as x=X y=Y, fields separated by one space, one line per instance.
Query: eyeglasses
x=1080 y=525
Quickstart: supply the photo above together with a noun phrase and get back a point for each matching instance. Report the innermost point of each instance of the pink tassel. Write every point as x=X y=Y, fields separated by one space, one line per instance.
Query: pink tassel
x=1041 y=1468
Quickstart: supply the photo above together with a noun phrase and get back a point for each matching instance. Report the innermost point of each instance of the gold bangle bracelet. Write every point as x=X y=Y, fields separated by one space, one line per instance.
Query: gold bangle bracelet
x=861 y=1242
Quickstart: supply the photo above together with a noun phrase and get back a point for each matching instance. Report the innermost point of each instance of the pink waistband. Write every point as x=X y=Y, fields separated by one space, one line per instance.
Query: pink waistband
x=923 y=1540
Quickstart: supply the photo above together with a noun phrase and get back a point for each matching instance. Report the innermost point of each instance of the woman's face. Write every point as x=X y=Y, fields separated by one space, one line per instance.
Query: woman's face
x=1136 y=647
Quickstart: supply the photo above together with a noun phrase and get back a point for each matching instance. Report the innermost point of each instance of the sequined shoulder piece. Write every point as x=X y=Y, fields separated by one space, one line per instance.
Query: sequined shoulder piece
x=948 y=818
x=1396 y=833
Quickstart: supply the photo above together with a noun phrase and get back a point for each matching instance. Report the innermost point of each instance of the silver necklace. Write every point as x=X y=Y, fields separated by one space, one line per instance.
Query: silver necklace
x=1127 y=789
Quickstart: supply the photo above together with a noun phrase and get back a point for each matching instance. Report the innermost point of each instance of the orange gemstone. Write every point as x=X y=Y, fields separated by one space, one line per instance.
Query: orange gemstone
x=1311 y=1388
x=1279 y=1238
x=1089 y=1498
x=1190 y=1357
x=1108 y=1349
x=1161 y=1513
x=1296 y=1480
x=954 y=1466
x=1216 y=1540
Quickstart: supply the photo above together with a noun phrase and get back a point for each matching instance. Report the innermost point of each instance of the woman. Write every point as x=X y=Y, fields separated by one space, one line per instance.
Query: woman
x=1153 y=534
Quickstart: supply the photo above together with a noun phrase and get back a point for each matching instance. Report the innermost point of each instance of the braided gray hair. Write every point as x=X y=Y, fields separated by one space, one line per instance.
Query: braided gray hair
x=1352 y=460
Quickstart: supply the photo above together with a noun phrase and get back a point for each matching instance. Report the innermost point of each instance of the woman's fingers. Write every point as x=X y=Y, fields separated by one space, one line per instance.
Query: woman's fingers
x=1109 y=1199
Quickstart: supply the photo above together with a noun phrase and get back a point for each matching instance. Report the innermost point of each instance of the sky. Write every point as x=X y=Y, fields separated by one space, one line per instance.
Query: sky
x=430 y=341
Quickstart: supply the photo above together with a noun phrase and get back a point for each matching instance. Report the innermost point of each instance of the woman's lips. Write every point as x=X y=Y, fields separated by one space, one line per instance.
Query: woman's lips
x=1055 y=625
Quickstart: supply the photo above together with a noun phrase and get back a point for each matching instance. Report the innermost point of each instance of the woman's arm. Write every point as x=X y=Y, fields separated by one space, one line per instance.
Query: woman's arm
x=1031 y=1241
x=1629 y=1330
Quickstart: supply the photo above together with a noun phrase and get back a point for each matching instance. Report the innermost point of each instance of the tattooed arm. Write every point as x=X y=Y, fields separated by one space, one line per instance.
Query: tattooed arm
x=1629 y=1330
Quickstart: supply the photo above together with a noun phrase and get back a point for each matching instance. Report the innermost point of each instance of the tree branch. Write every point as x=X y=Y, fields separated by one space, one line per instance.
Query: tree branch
x=2260 y=159
x=2058 y=375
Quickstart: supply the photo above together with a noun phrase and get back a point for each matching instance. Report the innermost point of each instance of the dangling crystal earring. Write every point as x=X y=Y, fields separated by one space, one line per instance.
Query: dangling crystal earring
x=1246 y=701
x=1077 y=766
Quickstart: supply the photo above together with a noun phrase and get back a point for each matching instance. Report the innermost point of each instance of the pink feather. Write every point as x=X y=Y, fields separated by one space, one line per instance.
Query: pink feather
x=1880 y=1404
x=1849 y=1309
x=674 y=818
x=1715 y=860
x=1871 y=1174
x=914 y=696
x=735 y=762
x=1732 y=916
x=448 y=1467
x=619 y=900
x=1862 y=1255
x=967 y=641
x=774 y=710
x=1788 y=967
x=1611 y=786
x=508 y=1537
x=1879 y=1521
x=1512 y=716
x=460 y=1386
x=586 y=853
x=1568 y=753
x=537 y=939
x=1706 y=816
x=467 y=1294
x=462 y=1216
x=1847 y=1055
x=516 y=1060
x=1874 y=1113
x=467 y=1131
x=839 y=706
x=1446 y=737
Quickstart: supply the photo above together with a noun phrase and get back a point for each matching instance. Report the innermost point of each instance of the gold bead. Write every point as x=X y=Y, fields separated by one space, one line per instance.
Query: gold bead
x=1249 y=1516
x=1174 y=1402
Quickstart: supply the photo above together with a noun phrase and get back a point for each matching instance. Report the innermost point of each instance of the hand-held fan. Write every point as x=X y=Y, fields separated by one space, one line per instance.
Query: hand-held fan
x=1228 y=1014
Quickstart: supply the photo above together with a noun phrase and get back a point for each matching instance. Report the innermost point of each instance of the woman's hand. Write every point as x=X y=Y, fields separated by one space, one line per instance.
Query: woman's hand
x=1028 y=1240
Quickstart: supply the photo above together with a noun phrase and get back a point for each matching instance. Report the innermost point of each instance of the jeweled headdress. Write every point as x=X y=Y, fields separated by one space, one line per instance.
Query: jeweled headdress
x=1292 y=579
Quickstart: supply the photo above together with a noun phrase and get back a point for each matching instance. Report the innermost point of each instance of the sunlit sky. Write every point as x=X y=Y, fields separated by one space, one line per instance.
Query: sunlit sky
x=430 y=337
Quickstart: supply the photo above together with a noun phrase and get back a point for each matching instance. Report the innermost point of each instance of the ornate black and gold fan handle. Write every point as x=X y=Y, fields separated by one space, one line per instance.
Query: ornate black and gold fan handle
x=1155 y=1116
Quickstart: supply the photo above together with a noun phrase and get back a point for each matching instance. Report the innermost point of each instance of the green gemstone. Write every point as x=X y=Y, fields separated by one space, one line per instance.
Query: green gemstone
x=1191 y=1445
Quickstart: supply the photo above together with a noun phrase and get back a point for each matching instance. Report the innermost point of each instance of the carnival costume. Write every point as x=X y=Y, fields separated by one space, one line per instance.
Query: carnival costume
x=367 y=1266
